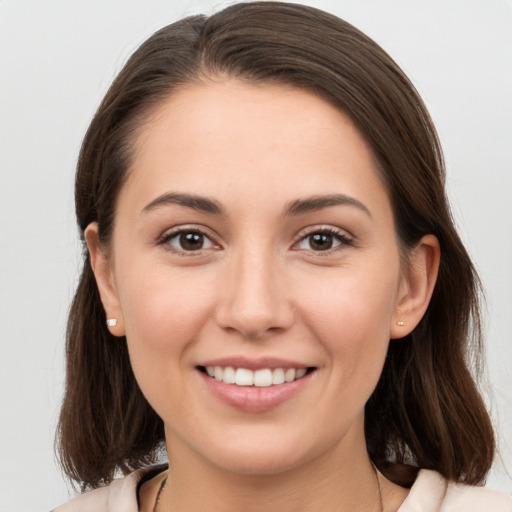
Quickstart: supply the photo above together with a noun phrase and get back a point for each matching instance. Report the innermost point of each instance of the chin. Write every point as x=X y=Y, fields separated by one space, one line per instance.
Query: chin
x=258 y=464
x=260 y=456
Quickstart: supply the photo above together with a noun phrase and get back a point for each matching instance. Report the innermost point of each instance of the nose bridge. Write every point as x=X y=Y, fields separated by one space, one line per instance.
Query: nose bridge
x=254 y=299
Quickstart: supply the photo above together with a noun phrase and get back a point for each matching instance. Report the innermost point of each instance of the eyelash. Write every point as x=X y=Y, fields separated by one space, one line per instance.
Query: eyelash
x=168 y=236
x=342 y=238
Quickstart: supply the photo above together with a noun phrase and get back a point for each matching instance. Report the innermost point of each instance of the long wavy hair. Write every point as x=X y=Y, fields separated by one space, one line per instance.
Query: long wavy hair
x=426 y=411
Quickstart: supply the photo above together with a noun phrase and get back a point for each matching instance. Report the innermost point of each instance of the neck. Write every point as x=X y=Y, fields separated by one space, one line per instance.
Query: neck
x=339 y=481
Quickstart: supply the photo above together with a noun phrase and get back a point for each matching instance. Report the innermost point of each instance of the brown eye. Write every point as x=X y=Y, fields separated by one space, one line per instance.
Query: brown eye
x=323 y=241
x=189 y=241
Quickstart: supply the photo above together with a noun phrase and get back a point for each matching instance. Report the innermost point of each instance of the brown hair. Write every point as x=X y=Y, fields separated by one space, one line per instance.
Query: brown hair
x=426 y=411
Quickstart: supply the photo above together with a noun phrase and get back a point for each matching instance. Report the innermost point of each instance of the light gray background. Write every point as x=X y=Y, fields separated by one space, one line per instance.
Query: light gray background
x=58 y=58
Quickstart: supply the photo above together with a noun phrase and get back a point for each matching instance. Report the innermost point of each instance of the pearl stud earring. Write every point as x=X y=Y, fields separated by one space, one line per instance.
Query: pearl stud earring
x=111 y=322
x=400 y=323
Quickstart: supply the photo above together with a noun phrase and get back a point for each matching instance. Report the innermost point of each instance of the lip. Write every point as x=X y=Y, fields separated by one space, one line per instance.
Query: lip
x=253 y=399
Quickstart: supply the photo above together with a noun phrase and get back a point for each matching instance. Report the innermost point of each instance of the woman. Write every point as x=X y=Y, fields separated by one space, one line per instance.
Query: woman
x=273 y=290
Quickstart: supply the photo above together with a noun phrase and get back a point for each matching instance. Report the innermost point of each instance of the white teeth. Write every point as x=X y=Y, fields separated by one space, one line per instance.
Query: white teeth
x=263 y=378
x=289 y=375
x=229 y=375
x=259 y=378
x=244 y=377
x=278 y=376
x=300 y=373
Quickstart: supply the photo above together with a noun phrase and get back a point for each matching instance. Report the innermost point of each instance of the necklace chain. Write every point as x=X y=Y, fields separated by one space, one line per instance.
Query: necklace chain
x=381 y=503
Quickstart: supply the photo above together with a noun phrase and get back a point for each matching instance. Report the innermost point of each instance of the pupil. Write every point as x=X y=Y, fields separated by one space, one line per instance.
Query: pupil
x=321 y=241
x=191 y=241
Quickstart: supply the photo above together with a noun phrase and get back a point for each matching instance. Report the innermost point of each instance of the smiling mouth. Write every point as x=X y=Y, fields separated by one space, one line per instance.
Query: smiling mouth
x=264 y=377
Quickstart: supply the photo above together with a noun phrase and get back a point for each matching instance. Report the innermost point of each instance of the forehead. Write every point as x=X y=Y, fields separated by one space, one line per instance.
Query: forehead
x=220 y=111
x=228 y=136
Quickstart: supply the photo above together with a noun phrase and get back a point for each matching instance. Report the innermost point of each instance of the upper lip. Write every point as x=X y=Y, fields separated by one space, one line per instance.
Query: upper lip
x=254 y=364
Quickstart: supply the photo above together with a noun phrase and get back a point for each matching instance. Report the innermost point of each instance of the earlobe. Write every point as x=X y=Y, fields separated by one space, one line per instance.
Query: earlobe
x=102 y=268
x=417 y=287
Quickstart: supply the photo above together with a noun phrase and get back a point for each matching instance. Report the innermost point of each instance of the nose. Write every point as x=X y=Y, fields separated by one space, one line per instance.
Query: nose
x=254 y=297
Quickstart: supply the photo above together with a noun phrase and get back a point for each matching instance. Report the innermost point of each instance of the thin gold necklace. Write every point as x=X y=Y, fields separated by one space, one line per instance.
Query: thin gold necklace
x=381 y=502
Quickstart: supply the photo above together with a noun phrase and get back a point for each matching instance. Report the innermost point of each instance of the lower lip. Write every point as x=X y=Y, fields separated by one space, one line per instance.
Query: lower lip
x=254 y=398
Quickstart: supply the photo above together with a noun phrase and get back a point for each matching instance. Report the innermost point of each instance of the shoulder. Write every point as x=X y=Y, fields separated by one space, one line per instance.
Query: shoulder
x=119 y=496
x=432 y=493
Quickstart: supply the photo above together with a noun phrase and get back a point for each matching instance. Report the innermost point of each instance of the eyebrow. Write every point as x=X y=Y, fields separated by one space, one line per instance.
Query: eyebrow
x=199 y=203
x=294 y=208
x=314 y=203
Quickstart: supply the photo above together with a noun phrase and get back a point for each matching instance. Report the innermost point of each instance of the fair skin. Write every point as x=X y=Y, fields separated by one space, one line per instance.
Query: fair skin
x=255 y=232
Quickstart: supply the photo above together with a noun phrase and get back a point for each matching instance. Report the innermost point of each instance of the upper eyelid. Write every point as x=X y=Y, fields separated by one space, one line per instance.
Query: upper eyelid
x=311 y=230
x=187 y=227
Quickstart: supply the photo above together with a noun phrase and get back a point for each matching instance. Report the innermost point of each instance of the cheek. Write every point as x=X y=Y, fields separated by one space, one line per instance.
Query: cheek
x=355 y=301
x=352 y=321
x=163 y=310
x=351 y=314
x=164 y=314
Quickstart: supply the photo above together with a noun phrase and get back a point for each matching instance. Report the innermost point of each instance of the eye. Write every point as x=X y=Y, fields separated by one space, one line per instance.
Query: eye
x=323 y=240
x=187 y=240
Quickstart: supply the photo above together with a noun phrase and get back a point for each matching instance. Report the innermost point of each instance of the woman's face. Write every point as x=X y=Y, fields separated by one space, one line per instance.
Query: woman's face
x=254 y=240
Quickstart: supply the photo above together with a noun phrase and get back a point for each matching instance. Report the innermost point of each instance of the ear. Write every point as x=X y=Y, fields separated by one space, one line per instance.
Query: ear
x=416 y=287
x=103 y=272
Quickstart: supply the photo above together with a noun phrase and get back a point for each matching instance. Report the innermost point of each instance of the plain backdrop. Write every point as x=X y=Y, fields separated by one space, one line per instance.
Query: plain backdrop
x=58 y=58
